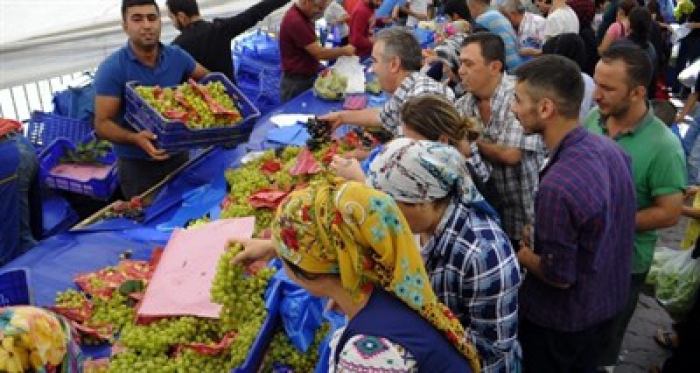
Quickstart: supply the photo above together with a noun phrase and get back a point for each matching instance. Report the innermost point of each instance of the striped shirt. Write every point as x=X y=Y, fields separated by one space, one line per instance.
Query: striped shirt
x=584 y=234
x=474 y=271
x=499 y=24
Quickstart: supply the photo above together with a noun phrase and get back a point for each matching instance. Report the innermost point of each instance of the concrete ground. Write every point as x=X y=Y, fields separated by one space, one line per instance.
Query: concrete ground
x=639 y=351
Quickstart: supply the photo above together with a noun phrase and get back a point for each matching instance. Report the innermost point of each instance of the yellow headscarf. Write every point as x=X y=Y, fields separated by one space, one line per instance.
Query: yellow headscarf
x=350 y=229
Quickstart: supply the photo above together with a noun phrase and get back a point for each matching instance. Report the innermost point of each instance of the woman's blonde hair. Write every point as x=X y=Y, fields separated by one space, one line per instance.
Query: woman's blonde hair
x=433 y=116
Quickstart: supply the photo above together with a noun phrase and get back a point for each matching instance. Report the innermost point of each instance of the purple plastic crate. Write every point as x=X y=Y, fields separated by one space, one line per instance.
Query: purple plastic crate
x=14 y=288
x=96 y=188
x=173 y=135
x=43 y=128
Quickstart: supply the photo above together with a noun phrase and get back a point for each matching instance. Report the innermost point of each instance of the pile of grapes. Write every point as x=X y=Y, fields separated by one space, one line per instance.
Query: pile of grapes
x=198 y=106
x=320 y=132
x=330 y=85
x=683 y=8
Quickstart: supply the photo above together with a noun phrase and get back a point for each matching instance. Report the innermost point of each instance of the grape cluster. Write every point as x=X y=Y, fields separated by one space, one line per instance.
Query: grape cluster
x=283 y=352
x=320 y=132
x=117 y=311
x=158 y=337
x=185 y=99
x=70 y=298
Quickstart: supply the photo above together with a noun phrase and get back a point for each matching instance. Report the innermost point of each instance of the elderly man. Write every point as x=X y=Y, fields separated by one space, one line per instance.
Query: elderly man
x=300 y=50
x=528 y=26
x=495 y=22
x=396 y=59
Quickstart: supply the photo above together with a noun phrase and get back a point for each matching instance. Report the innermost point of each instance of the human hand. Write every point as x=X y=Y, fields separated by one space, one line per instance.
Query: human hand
x=347 y=168
x=348 y=50
x=254 y=249
x=359 y=154
x=144 y=140
x=529 y=51
x=334 y=119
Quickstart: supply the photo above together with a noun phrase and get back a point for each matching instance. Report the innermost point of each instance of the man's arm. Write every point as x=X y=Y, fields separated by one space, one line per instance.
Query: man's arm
x=665 y=212
x=363 y=118
x=106 y=109
x=321 y=53
x=199 y=72
x=532 y=263
x=248 y=18
x=507 y=155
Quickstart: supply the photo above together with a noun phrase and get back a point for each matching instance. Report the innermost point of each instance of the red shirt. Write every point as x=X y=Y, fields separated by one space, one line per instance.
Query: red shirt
x=296 y=32
x=361 y=25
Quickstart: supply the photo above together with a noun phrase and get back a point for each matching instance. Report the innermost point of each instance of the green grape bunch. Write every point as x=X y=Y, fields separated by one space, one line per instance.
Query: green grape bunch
x=331 y=85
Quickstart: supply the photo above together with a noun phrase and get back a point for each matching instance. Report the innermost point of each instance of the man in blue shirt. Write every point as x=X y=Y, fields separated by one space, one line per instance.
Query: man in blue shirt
x=579 y=262
x=497 y=23
x=145 y=59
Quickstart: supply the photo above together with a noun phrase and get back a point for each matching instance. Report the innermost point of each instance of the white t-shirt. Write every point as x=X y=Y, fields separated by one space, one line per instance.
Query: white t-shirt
x=561 y=21
x=417 y=6
x=333 y=14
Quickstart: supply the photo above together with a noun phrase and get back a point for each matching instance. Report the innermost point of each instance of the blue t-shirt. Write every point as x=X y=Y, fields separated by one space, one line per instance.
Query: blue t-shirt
x=387 y=7
x=174 y=66
x=497 y=23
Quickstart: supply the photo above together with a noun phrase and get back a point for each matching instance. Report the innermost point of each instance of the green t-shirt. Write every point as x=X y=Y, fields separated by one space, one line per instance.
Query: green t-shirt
x=658 y=168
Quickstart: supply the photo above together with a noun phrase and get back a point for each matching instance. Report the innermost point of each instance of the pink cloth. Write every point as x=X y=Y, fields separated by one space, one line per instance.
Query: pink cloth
x=181 y=283
x=81 y=172
x=9 y=126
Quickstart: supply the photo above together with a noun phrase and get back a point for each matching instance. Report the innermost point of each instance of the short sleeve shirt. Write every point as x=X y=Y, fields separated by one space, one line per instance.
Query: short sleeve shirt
x=531 y=31
x=173 y=67
x=296 y=33
x=499 y=24
x=413 y=85
x=561 y=21
x=658 y=168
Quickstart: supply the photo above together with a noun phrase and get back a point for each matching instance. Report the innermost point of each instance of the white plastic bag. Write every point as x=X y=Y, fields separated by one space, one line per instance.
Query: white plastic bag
x=351 y=68
x=677 y=282
x=689 y=75
x=661 y=256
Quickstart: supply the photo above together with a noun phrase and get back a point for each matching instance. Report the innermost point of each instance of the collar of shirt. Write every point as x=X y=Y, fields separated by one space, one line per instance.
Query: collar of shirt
x=502 y=89
x=573 y=137
x=302 y=14
x=132 y=56
x=648 y=118
x=430 y=246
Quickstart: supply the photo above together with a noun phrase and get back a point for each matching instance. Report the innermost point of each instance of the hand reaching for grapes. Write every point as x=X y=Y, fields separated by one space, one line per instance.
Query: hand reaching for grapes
x=347 y=168
x=144 y=140
x=334 y=119
x=254 y=249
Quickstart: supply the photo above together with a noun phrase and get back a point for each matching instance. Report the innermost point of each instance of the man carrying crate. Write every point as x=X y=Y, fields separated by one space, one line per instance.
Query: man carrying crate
x=146 y=60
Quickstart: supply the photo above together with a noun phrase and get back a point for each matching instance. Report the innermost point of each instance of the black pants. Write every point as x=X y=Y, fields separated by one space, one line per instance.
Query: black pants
x=292 y=85
x=551 y=351
x=685 y=357
x=612 y=343
x=138 y=175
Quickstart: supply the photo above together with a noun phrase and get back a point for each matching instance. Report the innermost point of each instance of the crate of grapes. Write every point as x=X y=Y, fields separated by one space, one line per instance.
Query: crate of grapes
x=192 y=115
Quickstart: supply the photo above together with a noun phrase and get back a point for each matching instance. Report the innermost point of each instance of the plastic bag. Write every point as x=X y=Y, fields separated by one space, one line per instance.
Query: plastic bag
x=689 y=75
x=677 y=282
x=337 y=321
x=693 y=230
x=661 y=257
x=351 y=68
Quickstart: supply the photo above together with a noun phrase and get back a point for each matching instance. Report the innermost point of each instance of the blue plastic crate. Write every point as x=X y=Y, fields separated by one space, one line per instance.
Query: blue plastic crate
x=96 y=188
x=251 y=68
x=14 y=288
x=57 y=215
x=174 y=135
x=258 y=45
x=270 y=85
x=44 y=128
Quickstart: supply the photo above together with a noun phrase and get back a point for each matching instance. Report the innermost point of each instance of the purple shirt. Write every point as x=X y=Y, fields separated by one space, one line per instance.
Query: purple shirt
x=584 y=233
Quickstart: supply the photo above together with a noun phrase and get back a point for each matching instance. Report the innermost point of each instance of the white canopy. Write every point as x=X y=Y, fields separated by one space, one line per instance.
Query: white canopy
x=41 y=39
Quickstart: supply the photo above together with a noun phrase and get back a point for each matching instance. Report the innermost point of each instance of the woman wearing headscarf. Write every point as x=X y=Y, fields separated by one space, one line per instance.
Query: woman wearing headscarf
x=35 y=340
x=471 y=263
x=348 y=242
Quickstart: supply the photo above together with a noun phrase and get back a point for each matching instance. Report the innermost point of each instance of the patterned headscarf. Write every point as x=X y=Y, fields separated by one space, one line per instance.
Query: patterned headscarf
x=419 y=171
x=347 y=228
x=34 y=339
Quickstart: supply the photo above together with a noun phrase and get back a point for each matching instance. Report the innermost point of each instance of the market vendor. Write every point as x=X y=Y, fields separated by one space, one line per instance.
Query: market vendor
x=469 y=259
x=300 y=49
x=146 y=60
x=343 y=240
x=396 y=61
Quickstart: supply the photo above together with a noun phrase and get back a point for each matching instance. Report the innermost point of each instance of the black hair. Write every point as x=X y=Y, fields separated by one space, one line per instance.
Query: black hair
x=640 y=26
x=126 y=4
x=188 y=7
x=637 y=63
x=557 y=78
x=458 y=7
x=569 y=45
x=492 y=46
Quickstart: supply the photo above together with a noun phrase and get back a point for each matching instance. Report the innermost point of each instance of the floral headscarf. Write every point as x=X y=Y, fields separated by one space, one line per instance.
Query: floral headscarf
x=350 y=229
x=419 y=171
x=34 y=339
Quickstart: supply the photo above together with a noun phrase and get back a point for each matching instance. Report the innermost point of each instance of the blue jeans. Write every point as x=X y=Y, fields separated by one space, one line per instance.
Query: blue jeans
x=28 y=170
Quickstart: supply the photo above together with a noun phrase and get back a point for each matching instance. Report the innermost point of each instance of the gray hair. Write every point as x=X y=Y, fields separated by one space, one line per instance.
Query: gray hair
x=513 y=6
x=400 y=42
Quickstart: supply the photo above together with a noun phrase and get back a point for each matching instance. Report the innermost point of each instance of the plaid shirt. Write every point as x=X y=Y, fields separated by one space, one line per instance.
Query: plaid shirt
x=531 y=31
x=514 y=185
x=474 y=271
x=416 y=84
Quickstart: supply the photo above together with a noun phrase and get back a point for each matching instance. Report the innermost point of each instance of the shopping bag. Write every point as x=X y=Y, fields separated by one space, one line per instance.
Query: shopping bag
x=677 y=282
x=689 y=75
